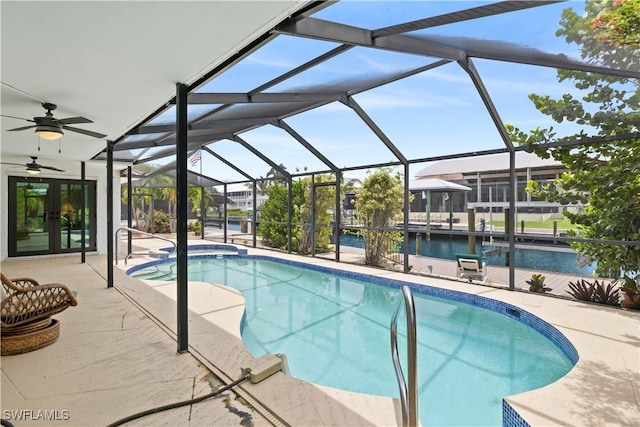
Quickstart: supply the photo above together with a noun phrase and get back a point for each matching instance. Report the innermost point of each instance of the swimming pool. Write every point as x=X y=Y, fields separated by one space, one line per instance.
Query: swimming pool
x=334 y=328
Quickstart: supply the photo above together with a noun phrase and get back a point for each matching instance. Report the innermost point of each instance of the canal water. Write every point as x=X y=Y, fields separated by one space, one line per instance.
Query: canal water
x=534 y=259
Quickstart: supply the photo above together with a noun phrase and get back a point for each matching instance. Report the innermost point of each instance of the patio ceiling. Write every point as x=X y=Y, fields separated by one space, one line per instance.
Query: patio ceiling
x=114 y=63
x=228 y=116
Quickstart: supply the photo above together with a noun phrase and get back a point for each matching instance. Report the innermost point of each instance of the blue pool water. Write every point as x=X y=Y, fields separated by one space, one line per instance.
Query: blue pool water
x=561 y=262
x=335 y=332
x=231 y=226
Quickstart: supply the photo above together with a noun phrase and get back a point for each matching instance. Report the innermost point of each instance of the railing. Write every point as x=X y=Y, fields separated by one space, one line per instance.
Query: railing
x=392 y=252
x=133 y=230
x=408 y=394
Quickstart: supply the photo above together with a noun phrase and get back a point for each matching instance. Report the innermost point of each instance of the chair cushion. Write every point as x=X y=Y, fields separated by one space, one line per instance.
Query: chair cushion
x=469 y=256
x=469 y=264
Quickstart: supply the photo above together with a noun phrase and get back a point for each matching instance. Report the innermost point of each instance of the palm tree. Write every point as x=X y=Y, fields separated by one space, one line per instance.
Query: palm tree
x=275 y=175
x=263 y=183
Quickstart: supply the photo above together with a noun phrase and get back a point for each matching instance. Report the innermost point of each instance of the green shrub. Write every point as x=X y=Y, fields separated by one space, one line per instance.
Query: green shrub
x=594 y=292
x=236 y=212
x=536 y=284
x=194 y=226
x=631 y=292
x=161 y=222
x=582 y=290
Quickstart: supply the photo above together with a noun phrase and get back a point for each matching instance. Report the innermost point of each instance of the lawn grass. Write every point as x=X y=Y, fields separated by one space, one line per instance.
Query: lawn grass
x=563 y=224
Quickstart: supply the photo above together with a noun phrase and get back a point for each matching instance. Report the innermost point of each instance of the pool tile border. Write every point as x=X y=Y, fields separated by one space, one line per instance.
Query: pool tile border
x=211 y=246
x=511 y=417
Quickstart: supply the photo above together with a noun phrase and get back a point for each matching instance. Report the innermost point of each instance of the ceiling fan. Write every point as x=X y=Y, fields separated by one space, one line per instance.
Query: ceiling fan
x=34 y=168
x=48 y=127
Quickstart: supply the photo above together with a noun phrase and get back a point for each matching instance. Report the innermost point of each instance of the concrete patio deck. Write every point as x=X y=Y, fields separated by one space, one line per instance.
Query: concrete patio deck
x=111 y=360
x=117 y=356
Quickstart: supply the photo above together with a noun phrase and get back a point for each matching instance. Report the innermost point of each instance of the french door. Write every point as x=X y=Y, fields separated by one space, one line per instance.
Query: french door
x=45 y=216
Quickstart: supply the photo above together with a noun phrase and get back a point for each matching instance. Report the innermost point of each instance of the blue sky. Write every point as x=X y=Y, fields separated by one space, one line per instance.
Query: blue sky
x=436 y=112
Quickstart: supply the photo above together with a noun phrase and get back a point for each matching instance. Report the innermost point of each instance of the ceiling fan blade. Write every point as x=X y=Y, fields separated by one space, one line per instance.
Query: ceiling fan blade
x=74 y=120
x=14 y=164
x=22 y=128
x=14 y=117
x=84 y=132
x=50 y=168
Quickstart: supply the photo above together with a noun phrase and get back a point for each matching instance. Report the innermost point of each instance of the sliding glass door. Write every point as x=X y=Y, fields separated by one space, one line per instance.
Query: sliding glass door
x=45 y=216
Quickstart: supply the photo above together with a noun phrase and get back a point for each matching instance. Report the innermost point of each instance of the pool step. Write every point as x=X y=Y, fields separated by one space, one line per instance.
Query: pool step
x=150 y=253
x=156 y=275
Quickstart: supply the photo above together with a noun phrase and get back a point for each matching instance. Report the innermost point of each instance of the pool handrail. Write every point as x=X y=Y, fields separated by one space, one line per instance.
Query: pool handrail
x=133 y=230
x=408 y=394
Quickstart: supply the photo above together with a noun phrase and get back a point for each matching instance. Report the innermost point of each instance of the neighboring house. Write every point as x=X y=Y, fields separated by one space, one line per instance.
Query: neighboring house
x=243 y=199
x=488 y=178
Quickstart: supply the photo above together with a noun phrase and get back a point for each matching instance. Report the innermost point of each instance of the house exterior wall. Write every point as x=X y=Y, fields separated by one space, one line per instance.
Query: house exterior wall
x=243 y=199
x=490 y=188
x=94 y=171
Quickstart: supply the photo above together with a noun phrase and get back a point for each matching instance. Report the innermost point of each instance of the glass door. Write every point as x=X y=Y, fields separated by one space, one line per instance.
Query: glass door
x=69 y=231
x=30 y=220
x=45 y=216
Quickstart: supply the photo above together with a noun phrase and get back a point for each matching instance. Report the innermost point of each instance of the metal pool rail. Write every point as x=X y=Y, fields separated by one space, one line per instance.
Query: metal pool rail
x=408 y=394
x=133 y=230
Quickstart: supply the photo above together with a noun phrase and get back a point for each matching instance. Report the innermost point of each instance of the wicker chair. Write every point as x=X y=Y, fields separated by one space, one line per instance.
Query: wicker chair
x=26 y=310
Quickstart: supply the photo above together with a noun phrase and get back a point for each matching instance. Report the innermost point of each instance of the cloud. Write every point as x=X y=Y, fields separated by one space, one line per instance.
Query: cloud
x=381 y=66
x=447 y=76
x=406 y=99
x=271 y=61
x=260 y=136
x=524 y=88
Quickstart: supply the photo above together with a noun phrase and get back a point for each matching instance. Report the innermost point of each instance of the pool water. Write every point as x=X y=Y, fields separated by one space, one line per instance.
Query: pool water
x=335 y=332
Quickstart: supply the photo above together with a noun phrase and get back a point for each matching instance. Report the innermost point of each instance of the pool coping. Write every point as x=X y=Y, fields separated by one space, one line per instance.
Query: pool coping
x=561 y=402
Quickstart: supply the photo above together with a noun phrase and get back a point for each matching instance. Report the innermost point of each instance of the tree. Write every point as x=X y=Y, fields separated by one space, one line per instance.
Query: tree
x=275 y=175
x=319 y=215
x=379 y=205
x=163 y=187
x=273 y=216
x=194 y=195
x=619 y=24
x=140 y=201
x=605 y=176
x=263 y=183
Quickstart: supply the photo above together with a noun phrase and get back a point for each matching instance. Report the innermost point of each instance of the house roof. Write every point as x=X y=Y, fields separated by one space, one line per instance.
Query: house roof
x=490 y=163
x=436 y=184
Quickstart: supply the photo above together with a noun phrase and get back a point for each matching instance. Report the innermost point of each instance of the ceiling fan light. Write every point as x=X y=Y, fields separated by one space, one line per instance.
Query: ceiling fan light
x=50 y=133
x=33 y=170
